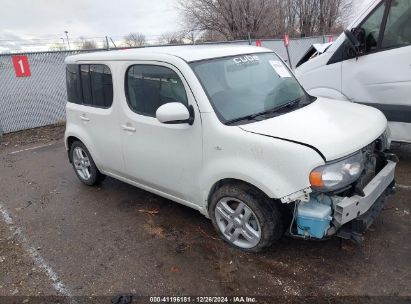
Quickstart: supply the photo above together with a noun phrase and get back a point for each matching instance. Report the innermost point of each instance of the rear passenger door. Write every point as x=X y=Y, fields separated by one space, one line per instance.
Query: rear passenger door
x=94 y=113
x=163 y=157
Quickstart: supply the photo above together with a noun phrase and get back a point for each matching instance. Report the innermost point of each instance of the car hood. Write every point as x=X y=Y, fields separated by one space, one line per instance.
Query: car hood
x=321 y=47
x=315 y=48
x=333 y=128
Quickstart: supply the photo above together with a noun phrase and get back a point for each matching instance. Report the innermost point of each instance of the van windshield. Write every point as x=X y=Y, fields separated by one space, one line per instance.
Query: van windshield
x=251 y=87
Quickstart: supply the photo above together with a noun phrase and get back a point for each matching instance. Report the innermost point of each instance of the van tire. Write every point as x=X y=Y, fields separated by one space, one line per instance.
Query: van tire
x=81 y=158
x=267 y=211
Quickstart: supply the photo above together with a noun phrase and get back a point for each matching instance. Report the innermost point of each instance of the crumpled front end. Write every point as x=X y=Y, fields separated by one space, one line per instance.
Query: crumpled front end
x=349 y=211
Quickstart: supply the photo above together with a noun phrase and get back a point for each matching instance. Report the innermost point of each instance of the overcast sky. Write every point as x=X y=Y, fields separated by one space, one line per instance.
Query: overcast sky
x=48 y=19
x=22 y=19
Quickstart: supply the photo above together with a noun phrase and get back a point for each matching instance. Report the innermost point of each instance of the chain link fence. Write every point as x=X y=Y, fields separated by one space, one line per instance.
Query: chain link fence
x=40 y=100
x=35 y=101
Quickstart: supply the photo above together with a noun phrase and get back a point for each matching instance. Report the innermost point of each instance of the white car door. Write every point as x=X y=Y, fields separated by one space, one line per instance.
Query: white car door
x=162 y=157
x=382 y=76
x=94 y=114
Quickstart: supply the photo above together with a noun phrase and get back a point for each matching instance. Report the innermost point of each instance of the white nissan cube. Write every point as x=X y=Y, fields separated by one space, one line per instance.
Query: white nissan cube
x=229 y=131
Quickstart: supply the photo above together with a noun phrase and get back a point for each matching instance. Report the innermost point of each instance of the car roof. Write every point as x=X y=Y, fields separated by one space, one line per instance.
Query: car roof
x=189 y=53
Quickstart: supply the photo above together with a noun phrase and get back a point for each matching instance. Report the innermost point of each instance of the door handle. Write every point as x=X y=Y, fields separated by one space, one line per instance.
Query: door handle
x=128 y=128
x=84 y=118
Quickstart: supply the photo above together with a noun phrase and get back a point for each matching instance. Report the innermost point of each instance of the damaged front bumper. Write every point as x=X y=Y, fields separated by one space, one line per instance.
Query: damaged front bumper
x=323 y=216
x=353 y=207
x=353 y=216
x=356 y=228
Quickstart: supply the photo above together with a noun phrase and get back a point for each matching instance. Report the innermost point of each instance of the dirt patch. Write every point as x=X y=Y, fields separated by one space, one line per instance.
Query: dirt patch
x=20 y=276
x=119 y=239
x=36 y=136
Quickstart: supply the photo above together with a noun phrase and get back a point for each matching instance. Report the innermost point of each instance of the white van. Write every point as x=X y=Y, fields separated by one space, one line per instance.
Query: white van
x=373 y=69
x=228 y=131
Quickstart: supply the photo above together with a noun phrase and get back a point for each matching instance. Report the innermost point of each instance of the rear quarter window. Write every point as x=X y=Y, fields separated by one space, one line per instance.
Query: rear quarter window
x=102 y=85
x=90 y=85
x=86 y=84
x=73 y=84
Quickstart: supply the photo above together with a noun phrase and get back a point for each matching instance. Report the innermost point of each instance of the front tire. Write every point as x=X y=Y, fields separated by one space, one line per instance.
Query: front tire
x=84 y=166
x=245 y=218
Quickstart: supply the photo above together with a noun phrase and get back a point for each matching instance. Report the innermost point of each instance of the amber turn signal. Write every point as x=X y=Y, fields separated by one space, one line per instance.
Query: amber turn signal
x=316 y=179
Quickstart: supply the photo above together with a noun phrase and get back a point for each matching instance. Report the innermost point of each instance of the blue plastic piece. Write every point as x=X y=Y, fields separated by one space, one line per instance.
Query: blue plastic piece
x=313 y=219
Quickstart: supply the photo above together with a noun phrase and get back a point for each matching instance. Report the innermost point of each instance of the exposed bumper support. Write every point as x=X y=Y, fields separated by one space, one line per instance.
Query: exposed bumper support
x=354 y=230
x=351 y=208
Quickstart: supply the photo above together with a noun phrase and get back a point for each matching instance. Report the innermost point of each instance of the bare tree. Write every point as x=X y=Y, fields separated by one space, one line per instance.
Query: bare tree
x=234 y=19
x=241 y=19
x=171 y=38
x=346 y=13
x=57 y=47
x=135 y=39
x=210 y=36
x=314 y=17
x=86 y=44
x=332 y=14
x=190 y=35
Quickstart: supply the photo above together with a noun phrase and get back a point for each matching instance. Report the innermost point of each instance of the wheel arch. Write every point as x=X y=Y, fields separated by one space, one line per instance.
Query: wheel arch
x=228 y=181
x=70 y=140
x=268 y=213
x=73 y=134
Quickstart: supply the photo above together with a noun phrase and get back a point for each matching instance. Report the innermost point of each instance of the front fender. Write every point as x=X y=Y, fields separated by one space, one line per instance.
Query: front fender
x=276 y=167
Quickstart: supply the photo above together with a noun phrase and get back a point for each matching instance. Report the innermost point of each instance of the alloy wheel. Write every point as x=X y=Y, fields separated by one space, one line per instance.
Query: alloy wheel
x=238 y=223
x=82 y=163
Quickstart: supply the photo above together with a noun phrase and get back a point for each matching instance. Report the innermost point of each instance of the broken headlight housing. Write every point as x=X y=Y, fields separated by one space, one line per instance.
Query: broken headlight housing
x=337 y=175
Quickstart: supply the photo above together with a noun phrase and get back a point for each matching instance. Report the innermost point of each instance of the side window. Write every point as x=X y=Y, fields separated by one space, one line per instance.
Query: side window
x=102 y=85
x=90 y=85
x=86 y=84
x=371 y=28
x=398 y=29
x=73 y=84
x=149 y=86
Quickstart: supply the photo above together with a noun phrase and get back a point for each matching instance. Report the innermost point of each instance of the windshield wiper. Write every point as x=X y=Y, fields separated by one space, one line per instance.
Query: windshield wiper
x=288 y=105
x=249 y=117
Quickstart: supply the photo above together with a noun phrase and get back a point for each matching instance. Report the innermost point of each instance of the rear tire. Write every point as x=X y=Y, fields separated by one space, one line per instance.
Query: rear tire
x=84 y=166
x=245 y=218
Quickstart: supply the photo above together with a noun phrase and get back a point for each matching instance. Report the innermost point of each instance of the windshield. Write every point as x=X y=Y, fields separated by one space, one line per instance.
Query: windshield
x=245 y=86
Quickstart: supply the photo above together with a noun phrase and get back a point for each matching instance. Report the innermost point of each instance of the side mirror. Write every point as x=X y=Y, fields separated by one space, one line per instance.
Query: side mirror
x=352 y=40
x=175 y=113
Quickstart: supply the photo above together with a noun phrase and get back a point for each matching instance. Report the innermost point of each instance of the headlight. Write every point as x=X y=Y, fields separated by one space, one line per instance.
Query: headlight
x=337 y=175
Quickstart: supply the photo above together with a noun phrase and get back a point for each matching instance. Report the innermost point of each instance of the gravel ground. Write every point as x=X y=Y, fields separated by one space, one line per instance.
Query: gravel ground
x=37 y=136
x=19 y=274
x=119 y=239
